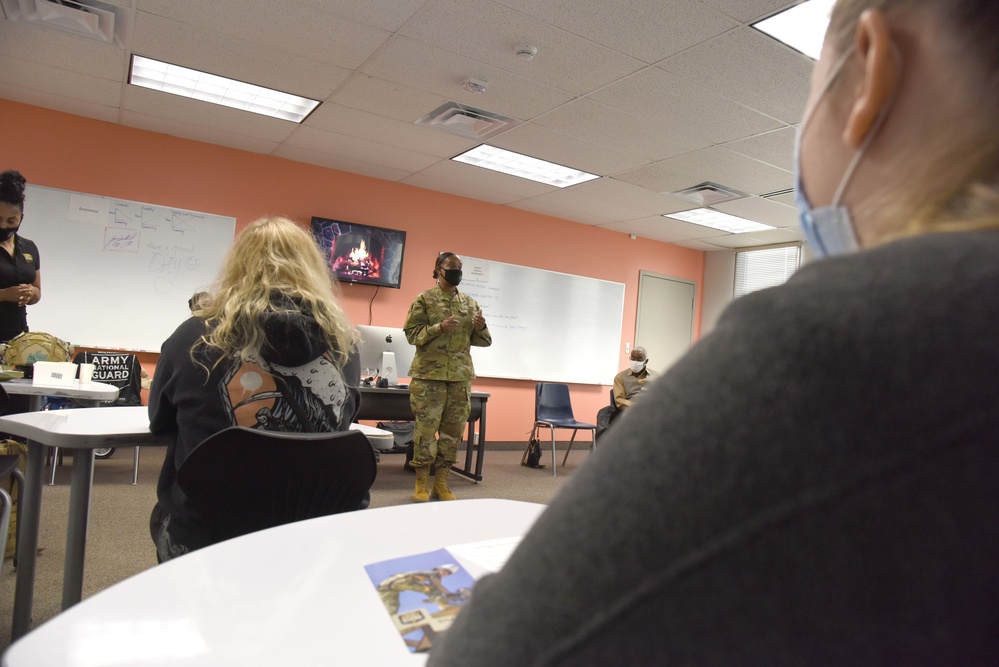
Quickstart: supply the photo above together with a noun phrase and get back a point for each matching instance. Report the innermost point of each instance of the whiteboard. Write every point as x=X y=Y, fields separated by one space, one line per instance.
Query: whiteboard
x=117 y=273
x=546 y=326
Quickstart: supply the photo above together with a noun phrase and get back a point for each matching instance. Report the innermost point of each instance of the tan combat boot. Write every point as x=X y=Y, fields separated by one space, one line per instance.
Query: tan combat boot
x=422 y=492
x=441 y=492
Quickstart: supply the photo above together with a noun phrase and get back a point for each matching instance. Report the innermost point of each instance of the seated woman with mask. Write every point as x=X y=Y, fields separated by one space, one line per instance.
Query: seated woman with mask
x=270 y=350
x=815 y=482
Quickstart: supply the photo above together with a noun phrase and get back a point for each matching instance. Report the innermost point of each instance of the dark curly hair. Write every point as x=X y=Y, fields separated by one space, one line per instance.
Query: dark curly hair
x=12 y=188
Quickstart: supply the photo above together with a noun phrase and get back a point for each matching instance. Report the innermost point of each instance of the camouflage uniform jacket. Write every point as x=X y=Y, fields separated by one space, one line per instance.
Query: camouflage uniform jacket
x=442 y=356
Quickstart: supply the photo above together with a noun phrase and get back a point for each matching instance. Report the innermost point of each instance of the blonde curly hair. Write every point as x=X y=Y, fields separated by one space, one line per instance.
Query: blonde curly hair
x=271 y=256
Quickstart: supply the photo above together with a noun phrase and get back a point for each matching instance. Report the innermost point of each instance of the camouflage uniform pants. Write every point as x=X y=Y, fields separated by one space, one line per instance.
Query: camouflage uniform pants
x=440 y=407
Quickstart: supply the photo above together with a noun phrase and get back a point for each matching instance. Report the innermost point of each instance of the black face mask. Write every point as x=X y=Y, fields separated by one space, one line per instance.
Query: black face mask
x=453 y=277
x=5 y=234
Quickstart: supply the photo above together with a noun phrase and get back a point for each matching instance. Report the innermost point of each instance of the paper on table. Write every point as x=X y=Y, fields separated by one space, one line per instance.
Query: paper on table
x=422 y=594
x=489 y=555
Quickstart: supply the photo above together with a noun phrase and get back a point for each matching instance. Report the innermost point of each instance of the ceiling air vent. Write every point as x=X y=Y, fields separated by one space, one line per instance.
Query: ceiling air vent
x=466 y=121
x=91 y=19
x=708 y=194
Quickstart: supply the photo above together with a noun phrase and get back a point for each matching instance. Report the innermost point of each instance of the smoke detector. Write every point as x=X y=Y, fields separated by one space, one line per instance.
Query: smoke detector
x=473 y=85
x=527 y=51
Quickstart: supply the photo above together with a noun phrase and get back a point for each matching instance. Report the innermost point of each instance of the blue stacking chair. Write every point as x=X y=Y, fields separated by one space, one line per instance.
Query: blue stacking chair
x=552 y=410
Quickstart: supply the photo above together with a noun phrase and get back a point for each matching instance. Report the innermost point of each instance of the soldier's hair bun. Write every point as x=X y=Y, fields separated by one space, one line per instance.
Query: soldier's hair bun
x=12 y=187
x=441 y=259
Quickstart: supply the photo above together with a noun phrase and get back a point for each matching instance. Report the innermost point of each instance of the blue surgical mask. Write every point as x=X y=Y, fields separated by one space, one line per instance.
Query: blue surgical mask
x=830 y=229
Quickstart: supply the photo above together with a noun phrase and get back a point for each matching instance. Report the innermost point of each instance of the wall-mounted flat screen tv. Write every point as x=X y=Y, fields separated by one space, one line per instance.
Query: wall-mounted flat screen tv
x=359 y=253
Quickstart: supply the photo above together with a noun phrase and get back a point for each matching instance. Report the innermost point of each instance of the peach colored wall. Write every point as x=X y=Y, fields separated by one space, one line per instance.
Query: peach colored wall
x=65 y=151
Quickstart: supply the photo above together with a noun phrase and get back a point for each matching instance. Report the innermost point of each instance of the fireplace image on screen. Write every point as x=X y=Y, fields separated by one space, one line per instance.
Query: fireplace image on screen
x=359 y=253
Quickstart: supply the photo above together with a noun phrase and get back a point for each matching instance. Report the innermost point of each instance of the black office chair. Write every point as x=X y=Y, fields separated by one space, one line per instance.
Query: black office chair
x=242 y=480
x=552 y=410
x=8 y=468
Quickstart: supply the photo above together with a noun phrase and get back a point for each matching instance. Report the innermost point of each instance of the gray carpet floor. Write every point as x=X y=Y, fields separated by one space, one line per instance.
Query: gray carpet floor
x=118 y=542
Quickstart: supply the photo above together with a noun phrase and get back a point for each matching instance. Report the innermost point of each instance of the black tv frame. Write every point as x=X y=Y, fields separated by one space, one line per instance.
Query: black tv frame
x=326 y=232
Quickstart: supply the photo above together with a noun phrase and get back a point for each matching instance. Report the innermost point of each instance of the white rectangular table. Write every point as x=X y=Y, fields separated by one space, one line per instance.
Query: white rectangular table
x=84 y=391
x=92 y=393
x=296 y=595
x=82 y=429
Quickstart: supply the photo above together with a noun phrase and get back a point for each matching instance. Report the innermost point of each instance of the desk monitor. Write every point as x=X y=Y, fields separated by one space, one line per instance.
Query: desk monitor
x=376 y=340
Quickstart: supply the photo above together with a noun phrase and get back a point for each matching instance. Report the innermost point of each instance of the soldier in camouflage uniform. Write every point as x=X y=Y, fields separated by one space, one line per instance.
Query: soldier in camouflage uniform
x=428 y=583
x=443 y=324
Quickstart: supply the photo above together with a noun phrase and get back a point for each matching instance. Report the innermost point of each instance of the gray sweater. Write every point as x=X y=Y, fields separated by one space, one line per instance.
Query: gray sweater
x=816 y=482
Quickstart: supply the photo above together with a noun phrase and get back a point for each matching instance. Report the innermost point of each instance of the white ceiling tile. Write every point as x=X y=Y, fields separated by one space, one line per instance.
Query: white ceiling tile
x=62 y=50
x=751 y=239
x=234 y=57
x=386 y=98
x=490 y=33
x=651 y=234
x=683 y=107
x=704 y=246
x=385 y=15
x=362 y=125
x=751 y=68
x=59 y=82
x=343 y=164
x=203 y=114
x=775 y=148
x=414 y=64
x=362 y=150
x=466 y=180
x=566 y=150
x=286 y=26
x=786 y=199
x=748 y=10
x=558 y=210
x=618 y=130
x=761 y=210
x=662 y=229
x=648 y=30
x=207 y=135
x=58 y=102
x=710 y=164
x=611 y=200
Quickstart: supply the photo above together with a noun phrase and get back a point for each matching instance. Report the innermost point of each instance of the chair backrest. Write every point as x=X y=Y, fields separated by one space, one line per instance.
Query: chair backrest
x=121 y=369
x=242 y=480
x=552 y=402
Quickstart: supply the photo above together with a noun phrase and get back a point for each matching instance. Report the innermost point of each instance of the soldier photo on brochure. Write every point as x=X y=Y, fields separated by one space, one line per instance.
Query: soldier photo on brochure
x=443 y=323
x=422 y=593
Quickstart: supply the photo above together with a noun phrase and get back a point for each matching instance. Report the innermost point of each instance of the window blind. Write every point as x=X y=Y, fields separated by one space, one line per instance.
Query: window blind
x=757 y=269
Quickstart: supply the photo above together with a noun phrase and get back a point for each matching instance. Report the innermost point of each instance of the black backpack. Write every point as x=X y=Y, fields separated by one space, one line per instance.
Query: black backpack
x=532 y=457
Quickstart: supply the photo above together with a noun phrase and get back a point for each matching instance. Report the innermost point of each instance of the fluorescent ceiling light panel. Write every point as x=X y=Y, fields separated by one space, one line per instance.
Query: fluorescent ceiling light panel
x=802 y=27
x=157 y=75
x=524 y=166
x=707 y=217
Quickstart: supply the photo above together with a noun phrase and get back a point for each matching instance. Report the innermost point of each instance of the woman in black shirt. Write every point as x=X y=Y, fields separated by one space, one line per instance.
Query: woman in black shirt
x=20 y=268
